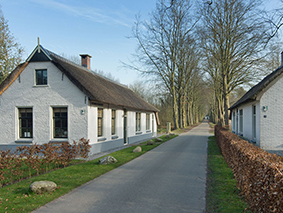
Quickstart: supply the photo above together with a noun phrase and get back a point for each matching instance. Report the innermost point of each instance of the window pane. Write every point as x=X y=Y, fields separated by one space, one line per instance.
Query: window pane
x=113 y=126
x=64 y=122
x=41 y=77
x=44 y=77
x=99 y=127
x=138 y=122
x=99 y=122
x=60 y=122
x=100 y=113
x=38 y=77
x=25 y=123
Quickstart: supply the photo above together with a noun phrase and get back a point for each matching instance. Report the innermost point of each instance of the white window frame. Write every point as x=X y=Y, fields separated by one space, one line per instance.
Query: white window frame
x=147 y=121
x=234 y=121
x=241 y=121
x=237 y=122
x=254 y=122
x=138 y=121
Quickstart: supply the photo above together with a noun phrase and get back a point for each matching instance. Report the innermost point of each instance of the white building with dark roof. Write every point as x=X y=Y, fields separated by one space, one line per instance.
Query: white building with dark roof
x=258 y=117
x=48 y=98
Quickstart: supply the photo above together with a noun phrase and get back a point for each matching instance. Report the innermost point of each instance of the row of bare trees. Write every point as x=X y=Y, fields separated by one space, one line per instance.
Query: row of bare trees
x=232 y=41
x=200 y=52
x=167 y=52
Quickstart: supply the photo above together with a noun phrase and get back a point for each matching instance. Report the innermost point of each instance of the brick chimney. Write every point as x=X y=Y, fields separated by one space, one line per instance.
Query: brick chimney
x=85 y=60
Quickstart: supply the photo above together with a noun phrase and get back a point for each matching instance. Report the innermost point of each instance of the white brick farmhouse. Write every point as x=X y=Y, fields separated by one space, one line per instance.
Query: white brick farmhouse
x=258 y=117
x=48 y=98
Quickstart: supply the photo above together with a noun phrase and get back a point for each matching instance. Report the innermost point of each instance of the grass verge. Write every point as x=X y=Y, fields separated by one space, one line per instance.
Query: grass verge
x=18 y=198
x=222 y=194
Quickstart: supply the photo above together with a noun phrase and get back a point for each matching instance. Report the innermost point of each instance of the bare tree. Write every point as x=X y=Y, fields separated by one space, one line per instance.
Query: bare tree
x=73 y=58
x=146 y=91
x=165 y=47
x=273 y=57
x=10 y=50
x=107 y=75
x=233 y=37
x=274 y=19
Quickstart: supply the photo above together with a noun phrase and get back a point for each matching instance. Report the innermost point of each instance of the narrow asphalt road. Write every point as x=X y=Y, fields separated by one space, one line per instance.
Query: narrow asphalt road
x=169 y=178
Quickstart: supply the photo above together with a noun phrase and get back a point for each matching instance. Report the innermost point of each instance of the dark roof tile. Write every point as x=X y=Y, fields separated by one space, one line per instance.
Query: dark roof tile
x=255 y=90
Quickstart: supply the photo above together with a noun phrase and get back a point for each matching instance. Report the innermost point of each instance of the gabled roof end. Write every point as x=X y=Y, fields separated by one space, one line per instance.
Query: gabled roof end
x=39 y=54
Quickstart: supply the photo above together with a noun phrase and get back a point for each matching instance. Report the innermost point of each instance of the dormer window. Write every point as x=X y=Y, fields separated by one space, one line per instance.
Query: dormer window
x=41 y=77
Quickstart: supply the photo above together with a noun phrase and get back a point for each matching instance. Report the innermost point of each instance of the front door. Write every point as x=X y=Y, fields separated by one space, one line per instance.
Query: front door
x=125 y=128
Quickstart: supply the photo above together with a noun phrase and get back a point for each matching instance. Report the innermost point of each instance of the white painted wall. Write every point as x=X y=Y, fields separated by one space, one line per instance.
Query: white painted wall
x=92 y=124
x=23 y=93
x=120 y=123
x=131 y=123
x=63 y=93
x=153 y=125
x=271 y=121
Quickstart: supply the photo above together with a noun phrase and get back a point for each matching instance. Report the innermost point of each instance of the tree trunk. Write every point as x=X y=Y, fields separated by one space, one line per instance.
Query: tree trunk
x=184 y=113
x=226 y=100
x=175 y=111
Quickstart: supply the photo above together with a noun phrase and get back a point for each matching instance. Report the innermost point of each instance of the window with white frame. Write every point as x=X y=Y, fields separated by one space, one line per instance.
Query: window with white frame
x=147 y=121
x=138 y=121
x=113 y=122
x=254 y=122
x=60 y=122
x=234 y=121
x=41 y=77
x=99 y=122
x=237 y=122
x=241 y=121
x=25 y=123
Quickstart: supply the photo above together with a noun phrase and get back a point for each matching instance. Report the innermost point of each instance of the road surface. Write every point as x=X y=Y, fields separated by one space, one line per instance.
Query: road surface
x=169 y=178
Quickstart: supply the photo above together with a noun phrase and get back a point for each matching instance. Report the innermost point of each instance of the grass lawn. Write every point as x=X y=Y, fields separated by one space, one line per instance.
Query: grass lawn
x=18 y=198
x=222 y=194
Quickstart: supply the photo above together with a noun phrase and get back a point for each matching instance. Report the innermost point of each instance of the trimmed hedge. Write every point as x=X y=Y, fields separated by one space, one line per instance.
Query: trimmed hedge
x=259 y=174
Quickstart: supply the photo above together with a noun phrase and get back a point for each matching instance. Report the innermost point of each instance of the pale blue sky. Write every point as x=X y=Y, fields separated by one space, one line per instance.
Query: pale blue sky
x=72 y=27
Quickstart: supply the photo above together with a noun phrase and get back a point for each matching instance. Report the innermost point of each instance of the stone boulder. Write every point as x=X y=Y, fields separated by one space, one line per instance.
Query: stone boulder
x=40 y=187
x=107 y=160
x=137 y=149
x=167 y=136
x=171 y=134
x=158 y=140
x=150 y=142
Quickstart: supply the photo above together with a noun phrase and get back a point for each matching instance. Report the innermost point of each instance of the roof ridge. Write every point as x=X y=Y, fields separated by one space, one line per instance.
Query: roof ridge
x=259 y=87
x=84 y=68
x=68 y=61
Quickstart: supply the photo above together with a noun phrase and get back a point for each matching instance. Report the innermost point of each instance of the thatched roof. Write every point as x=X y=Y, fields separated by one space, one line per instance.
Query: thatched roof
x=252 y=94
x=12 y=77
x=97 y=88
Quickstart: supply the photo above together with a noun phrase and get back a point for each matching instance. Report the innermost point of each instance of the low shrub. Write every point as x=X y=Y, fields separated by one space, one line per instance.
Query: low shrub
x=37 y=159
x=259 y=174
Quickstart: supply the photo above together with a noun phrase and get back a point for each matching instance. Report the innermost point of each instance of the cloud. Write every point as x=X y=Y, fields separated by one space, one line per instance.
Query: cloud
x=89 y=12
